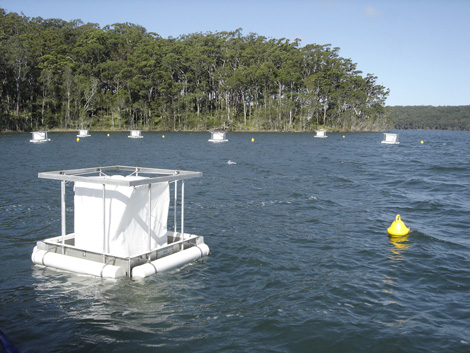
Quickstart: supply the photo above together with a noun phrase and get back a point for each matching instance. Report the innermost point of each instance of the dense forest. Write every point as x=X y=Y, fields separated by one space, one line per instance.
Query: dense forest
x=57 y=74
x=431 y=118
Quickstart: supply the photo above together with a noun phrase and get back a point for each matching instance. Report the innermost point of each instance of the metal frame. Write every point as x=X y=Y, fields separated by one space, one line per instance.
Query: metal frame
x=45 y=139
x=95 y=175
x=86 y=175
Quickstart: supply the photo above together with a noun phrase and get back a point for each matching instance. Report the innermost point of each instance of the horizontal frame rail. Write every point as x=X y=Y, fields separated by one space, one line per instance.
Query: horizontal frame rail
x=93 y=175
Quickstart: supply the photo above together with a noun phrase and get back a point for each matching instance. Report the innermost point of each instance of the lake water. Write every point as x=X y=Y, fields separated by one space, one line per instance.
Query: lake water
x=300 y=256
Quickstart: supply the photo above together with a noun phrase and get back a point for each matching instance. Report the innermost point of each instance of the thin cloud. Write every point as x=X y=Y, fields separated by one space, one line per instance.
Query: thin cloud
x=372 y=12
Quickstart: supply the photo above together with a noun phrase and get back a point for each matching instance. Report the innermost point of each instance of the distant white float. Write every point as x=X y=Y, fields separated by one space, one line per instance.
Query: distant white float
x=120 y=223
x=135 y=134
x=218 y=136
x=83 y=133
x=391 y=139
x=321 y=134
x=39 y=136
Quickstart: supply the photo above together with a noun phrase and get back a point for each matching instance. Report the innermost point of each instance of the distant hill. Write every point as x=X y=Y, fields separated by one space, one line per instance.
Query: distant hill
x=431 y=117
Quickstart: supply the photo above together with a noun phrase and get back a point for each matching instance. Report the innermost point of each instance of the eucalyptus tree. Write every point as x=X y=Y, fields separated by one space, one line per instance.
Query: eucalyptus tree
x=286 y=58
x=146 y=62
x=174 y=84
x=202 y=57
x=67 y=89
x=19 y=62
x=53 y=44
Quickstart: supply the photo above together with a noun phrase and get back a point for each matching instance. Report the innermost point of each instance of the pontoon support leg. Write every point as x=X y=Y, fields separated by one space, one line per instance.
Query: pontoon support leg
x=104 y=222
x=150 y=219
x=174 y=209
x=182 y=214
x=62 y=205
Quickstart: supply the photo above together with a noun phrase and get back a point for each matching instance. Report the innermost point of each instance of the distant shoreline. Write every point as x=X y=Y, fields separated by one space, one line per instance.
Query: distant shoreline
x=172 y=131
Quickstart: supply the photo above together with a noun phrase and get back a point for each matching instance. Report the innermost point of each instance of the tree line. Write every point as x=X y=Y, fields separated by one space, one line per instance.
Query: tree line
x=58 y=74
x=431 y=117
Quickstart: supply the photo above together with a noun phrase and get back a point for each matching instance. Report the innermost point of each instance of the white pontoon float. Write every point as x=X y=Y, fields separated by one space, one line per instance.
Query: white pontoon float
x=135 y=134
x=83 y=133
x=218 y=136
x=321 y=134
x=120 y=223
x=391 y=139
x=39 y=136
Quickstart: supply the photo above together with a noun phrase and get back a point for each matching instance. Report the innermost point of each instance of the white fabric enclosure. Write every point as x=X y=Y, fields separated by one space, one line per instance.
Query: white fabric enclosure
x=135 y=133
x=39 y=135
x=118 y=223
x=218 y=135
x=390 y=137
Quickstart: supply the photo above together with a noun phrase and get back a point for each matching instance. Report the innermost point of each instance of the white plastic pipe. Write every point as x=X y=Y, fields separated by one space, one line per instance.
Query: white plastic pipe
x=74 y=264
x=171 y=261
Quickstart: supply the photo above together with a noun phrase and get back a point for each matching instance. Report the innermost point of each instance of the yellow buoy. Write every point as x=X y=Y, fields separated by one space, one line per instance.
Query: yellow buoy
x=398 y=228
x=108 y=135
x=252 y=139
x=422 y=141
x=78 y=139
x=163 y=136
x=344 y=136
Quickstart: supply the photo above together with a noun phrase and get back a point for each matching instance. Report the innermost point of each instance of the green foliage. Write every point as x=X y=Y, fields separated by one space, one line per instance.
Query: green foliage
x=59 y=74
x=431 y=118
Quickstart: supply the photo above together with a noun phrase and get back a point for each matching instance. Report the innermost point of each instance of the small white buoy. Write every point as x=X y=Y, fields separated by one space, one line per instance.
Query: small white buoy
x=231 y=162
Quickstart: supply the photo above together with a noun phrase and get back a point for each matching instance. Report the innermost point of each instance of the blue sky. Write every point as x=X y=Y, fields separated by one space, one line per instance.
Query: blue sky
x=419 y=49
